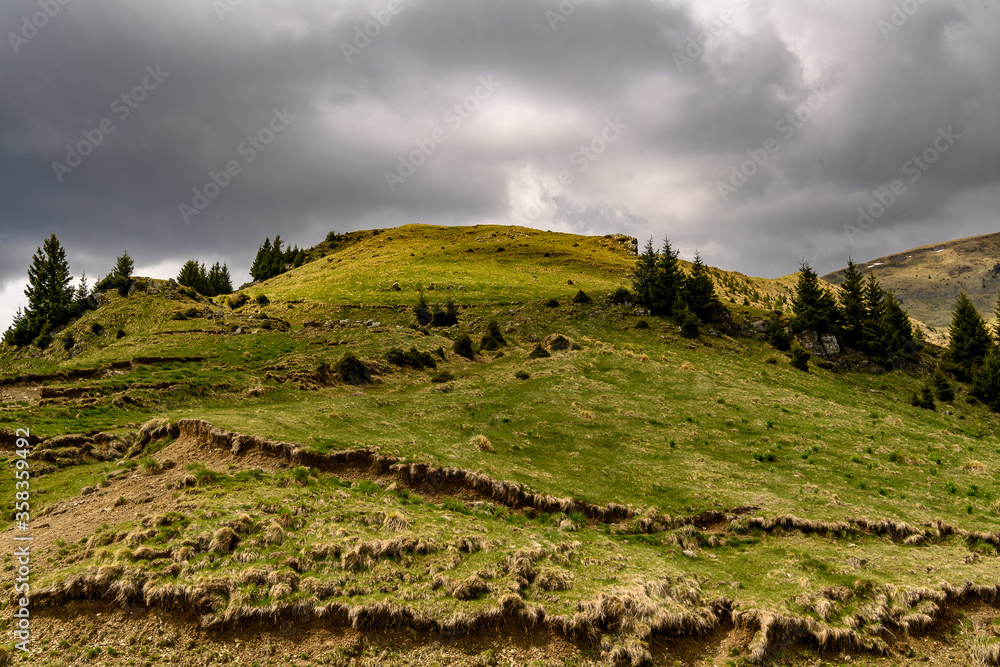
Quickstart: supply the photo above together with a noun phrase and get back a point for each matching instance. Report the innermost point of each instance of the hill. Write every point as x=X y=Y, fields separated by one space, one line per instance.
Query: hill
x=927 y=279
x=309 y=478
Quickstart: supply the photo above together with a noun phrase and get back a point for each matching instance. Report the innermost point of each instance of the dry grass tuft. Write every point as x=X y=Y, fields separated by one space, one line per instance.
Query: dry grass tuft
x=554 y=579
x=274 y=534
x=482 y=443
x=974 y=467
x=223 y=541
x=396 y=522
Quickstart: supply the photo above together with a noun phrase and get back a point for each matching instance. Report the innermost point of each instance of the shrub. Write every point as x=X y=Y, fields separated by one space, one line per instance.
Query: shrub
x=539 y=353
x=800 y=357
x=192 y=312
x=689 y=324
x=552 y=303
x=412 y=358
x=620 y=297
x=923 y=398
x=120 y=334
x=442 y=376
x=943 y=390
x=492 y=339
x=178 y=316
x=559 y=343
x=96 y=328
x=446 y=317
x=765 y=457
x=262 y=300
x=352 y=370
x=581 y=297
x=463 y=347
x=522 y=375
x=642 y=324
x=67 y=341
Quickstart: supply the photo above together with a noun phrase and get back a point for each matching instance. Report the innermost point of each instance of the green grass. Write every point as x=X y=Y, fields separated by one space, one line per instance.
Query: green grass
x=640 y=417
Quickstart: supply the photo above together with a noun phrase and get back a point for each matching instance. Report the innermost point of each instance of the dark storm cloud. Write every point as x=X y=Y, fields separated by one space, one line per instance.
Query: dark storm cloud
x=750 y=130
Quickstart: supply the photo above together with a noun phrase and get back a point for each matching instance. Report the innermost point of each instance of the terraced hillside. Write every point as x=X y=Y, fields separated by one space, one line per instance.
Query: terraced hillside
x=309 y=478
x=927 y=279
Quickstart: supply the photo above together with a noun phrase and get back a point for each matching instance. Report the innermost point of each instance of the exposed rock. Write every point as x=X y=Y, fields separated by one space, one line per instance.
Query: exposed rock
x=396 y=288
x=825 y=347
x=629 y=243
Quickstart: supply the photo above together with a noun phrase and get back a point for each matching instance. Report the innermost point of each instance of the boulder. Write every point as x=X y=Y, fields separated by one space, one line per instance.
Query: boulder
x=830 y=345
x=825 y=346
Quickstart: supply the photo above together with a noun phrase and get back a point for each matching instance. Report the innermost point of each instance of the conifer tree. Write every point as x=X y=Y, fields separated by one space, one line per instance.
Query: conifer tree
x=969 y=341
x=852 y=305
x=642 y=276
x=896 y=330
x=49 y=292
x=219 y=281
x=986 y=382
x=261 y=265
x=699 y=292
x=124 y=265
x=813 y=307
x=668 y=279
x=193 y=275
x=871 y=325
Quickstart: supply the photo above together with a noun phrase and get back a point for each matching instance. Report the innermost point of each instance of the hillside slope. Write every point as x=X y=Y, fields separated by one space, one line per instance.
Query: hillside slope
x=218 y=487
x=927 y=279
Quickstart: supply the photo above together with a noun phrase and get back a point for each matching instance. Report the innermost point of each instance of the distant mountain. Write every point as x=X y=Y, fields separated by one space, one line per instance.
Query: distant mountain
x=927 y=279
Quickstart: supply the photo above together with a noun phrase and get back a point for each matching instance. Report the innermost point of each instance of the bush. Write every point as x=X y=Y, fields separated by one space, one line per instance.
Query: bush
x=800 y=357
x=689 y=324
x=67 y=341
x=442 y=376
x=777 y=334
x=642 y=324
x=765 y=457
x=463 y=347
x=539 y=353
x=262 y=300
x=923 y=398
x=581 y=297
x=412 y=358
x=493 y=339
x=447 y=317
x=237 y=300
x=559 y=343
x=120 y=334
x=943 y=390
x=620 y=297
x=96 y=328
x=552 y=303
x=192 y=312
x=352 y=370
x=522 y=375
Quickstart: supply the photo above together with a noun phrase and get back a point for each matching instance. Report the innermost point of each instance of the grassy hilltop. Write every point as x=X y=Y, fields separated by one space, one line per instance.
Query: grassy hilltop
x=927 y=279
x=211 y=475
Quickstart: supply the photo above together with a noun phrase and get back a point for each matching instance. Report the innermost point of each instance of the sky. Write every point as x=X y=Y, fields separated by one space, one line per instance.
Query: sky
x=759 y=133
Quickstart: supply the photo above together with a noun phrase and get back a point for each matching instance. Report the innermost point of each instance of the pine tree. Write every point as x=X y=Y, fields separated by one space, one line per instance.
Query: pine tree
x=643 y=274
x=277 y=259
x=219 y=281
x=896 y=338
x=969 y=342
x=699 y=292
x=49 y=293
x=261 y=265
x=871 y=324
x=193 y=275
x=996 y=323
x=668 y=279
x=124 y=265
x=813 y=308
x=852 y=305
x=986 y=382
